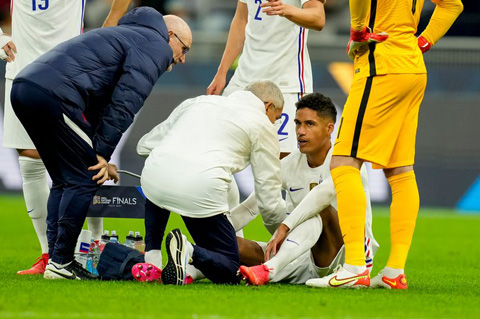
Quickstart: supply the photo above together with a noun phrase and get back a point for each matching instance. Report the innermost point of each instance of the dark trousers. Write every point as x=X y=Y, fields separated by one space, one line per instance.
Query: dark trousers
x=215 y=253
x=66 y=157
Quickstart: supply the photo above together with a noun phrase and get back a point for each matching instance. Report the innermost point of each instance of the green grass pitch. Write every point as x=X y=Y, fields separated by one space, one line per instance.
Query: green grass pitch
x=443 y=275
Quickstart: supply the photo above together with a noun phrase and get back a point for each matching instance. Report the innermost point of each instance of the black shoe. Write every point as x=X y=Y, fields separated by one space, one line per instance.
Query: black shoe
x=175 y=270
x=73 y=271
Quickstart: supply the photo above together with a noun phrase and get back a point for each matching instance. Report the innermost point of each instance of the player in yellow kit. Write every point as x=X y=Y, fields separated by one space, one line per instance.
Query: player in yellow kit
x=379 y=125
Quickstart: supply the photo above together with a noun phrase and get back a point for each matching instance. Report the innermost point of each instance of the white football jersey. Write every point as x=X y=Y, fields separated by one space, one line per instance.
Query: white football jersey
x=275 y=49
x=39 y=25
x=298 y=178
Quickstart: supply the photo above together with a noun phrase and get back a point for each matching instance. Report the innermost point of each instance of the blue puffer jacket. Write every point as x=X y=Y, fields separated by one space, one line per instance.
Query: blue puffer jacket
x=104 y=76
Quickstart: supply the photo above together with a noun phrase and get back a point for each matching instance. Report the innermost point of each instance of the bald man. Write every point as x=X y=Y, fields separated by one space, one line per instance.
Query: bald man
x=75 y=103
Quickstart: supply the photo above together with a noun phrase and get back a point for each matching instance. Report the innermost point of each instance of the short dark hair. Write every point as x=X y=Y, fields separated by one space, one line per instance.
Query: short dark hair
x=320 y=103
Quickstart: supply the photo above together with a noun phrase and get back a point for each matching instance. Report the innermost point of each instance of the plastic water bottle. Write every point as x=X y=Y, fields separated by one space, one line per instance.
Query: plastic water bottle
x=104 y=240
x=130 y=240
x=93 y=257
x=139 y=243
x=114 y=237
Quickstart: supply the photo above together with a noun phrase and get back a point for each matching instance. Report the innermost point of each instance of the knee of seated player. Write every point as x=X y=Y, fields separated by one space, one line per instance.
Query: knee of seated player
x=251 y=254
x=331 y=231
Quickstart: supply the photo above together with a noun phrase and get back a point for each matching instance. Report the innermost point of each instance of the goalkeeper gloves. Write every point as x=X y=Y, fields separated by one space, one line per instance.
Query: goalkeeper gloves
x=360 y=38
x=423 y=44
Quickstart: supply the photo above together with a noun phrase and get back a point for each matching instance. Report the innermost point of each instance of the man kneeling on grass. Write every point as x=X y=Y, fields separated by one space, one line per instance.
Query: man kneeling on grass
x=192 y=157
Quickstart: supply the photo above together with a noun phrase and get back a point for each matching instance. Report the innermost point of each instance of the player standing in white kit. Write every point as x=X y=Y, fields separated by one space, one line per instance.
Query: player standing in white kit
x=272 y=38
x=37 y=26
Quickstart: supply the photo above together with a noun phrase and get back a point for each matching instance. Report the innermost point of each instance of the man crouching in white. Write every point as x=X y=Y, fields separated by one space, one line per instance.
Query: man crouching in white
x=191 y=159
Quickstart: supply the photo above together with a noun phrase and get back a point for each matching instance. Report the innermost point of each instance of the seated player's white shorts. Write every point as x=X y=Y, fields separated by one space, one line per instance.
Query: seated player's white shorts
x=14 y=135
x=303 y=268
x=286 y=124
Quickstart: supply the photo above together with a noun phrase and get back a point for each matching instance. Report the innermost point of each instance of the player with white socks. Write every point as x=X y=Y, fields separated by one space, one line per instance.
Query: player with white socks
x=308 y=244
x=35 y=30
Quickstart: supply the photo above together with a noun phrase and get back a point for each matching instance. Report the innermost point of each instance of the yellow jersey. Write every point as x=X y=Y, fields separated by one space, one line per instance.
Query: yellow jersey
x=400 y=52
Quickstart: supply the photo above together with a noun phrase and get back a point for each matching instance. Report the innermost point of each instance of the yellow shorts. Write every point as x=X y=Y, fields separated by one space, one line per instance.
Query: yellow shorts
x=379 y=121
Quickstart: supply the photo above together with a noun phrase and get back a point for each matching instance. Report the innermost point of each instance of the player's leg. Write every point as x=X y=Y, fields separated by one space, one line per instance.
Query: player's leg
x=35 y=192
x=368 y=130
x=34 y=177
x=330 y=242
x=251 y=253
x=405 y=196
x=95 y=225
x=299 y=241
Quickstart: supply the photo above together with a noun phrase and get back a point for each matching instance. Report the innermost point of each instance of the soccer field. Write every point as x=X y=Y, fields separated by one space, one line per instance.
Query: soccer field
x=443 y=272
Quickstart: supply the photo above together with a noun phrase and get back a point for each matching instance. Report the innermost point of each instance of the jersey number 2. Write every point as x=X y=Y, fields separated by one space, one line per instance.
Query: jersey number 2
x=258 y=10
x=42 y=5
x=282 y=126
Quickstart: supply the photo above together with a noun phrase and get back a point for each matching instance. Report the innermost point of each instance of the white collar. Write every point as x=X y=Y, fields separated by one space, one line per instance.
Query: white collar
x=248 y=98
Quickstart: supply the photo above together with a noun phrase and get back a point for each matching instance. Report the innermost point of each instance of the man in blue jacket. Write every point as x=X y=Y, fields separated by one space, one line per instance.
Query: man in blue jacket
x=77 y=100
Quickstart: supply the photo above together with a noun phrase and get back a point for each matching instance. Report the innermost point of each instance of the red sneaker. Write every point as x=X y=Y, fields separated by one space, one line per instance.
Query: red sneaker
x=256 y=275
x=38 y=268
x=146 y=272
x=381 y=281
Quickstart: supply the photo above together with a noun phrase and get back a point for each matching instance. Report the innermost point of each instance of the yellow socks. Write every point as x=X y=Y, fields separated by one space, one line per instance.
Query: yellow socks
x=403 y=215
x=352 y=206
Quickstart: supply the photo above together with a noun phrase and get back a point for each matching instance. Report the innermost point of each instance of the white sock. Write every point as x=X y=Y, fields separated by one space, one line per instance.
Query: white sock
x=95 y=225
x=189 y=249
x=154 y=257
x=300 y=240
x=191 y=270
x=355 y=269
x=392 y=272
x=36 y=192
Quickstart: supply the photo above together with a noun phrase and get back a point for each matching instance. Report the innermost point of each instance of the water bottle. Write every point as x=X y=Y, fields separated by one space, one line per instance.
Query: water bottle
x=139 y=243
x=93 y=257
x=114 y=237
x=130 y=240
x=104 y=240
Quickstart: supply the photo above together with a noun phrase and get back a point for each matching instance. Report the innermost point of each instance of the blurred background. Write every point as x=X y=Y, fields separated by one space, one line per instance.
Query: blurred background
x=448 y=141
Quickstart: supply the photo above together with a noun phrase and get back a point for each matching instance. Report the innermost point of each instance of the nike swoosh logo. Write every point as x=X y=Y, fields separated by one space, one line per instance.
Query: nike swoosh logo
x=72 y=276
x=31 y=210
x=282 y=139
x=289 y=240
x=391 y=283
x=336 y=143
x=295 y=189
x=334 y=282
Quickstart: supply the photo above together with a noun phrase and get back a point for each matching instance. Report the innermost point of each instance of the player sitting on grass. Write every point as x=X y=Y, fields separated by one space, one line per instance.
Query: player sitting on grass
x=307 y=244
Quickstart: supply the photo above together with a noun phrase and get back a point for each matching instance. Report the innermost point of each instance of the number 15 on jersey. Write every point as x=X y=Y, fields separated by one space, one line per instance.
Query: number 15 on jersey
x=40 y=5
